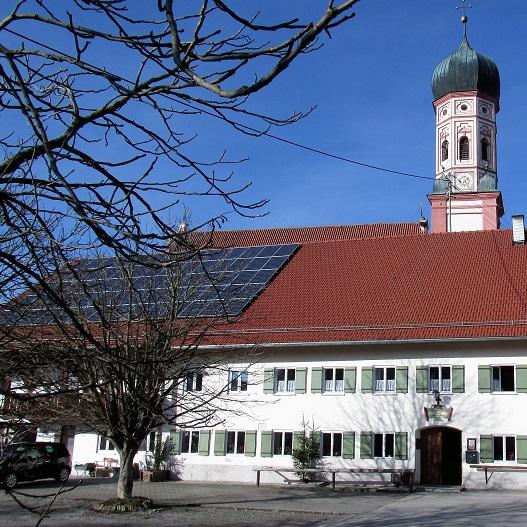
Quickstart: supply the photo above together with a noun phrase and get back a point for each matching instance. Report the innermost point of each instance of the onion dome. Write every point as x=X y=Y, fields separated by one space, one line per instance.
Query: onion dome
x=466 y=70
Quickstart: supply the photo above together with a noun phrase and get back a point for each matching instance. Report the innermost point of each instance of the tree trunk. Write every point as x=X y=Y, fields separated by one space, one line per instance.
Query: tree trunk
x=125 y=483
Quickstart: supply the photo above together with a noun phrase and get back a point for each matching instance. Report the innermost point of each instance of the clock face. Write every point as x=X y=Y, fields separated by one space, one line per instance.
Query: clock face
x=464 y=182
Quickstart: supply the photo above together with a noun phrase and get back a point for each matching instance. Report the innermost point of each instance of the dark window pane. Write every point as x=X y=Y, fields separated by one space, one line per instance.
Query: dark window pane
x=390 y=374
x=244 y=381
x=484 y=150
x=199 y=381
x=444 y=151
x=326 y=444
x=280 y=374
x=507 y=378
x=328 y=374
x=377 y=445
x=388 y=445
x=288 y=443
x=240 y=447
x=277 y=443
x=234 y=380
x=445 y=372
x=291 y=374
x=190 y=378
x=337 y=444
x=434 y=373
x=339 y=374
x=498 y=448
x=195 y=442
x=185 y=441
x=464 y=150
x=379 y=374
x=510 y=448
x=231 y=439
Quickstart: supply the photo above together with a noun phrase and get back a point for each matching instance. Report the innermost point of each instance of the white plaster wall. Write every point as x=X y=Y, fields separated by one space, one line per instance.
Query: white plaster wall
x=473 y=413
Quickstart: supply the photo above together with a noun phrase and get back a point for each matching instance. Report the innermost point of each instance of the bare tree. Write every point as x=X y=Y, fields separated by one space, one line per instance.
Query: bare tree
x=98 y=152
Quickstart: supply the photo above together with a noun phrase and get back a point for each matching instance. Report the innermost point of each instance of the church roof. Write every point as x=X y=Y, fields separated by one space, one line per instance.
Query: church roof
x=468 y=285
x=466 y=70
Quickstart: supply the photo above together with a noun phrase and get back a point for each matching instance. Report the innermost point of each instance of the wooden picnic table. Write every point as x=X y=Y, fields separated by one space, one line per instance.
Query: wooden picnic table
x=410 y=473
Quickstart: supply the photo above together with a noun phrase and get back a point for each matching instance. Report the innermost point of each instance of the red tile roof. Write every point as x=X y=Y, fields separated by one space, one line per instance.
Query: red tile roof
x=398 y=287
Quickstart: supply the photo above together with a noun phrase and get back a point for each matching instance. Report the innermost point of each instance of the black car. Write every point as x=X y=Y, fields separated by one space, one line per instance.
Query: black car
x=30 y=461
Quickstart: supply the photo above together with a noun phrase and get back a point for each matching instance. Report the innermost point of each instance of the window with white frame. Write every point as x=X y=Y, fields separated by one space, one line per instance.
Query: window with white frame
x=383 y=445
x=194 y=382
x=189 y=441
x=333 y=379
x=331 y=444
x=440 y=379
x=504 y=448
x=151 y=441
x=502 y=378
x=282 y=443
x=285 y=379
x=238 y=380
x=235 y=442
x=105 y=443
x=385 y=379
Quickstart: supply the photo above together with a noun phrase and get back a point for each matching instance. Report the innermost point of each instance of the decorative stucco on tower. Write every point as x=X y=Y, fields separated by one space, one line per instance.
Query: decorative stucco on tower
x=466 y=89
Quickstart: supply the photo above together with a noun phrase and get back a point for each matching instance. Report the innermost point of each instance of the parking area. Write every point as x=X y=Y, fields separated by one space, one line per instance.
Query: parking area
x=193 y=504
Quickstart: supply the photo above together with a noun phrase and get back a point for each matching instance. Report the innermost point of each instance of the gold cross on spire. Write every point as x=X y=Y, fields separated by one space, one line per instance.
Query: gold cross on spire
x=464 y=7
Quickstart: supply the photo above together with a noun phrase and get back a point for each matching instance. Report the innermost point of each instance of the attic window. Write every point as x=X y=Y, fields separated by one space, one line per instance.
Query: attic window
x=485 y=149
x=464 y=151
x=444 y=150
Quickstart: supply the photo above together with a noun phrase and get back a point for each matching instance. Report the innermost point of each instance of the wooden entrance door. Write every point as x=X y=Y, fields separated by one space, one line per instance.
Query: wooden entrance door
x=440 y=456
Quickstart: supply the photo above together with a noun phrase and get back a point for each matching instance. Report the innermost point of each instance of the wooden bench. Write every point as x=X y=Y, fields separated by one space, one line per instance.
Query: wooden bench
x=498 y=468
x=403 y=473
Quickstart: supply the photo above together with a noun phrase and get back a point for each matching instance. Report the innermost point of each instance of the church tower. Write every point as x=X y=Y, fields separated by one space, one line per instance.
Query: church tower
x=466 y=89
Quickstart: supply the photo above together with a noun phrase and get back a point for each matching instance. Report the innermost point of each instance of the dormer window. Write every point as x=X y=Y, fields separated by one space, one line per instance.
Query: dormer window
x=485 y=149
x=444 y=150
x=464 y=150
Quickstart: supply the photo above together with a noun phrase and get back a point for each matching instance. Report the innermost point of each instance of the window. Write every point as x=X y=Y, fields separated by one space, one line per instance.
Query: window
x=194 y=382
x=285 y=380
x=383 y=445
x=282 y=443
x=331 y=444
x=151 y=441
x=105 y=443
x=238 y=380
x=464 y=148
x=444 y=150
x=235 y=442
x=333 y=379
x=385 y=380
x=502 y=378
x=440 y=378
x=189 y=441
x=504 y=448
x=485 y=149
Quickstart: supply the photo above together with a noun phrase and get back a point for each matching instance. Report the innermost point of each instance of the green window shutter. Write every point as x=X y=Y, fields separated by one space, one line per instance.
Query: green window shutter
x=250 y=443
x=484 y=379
x=266 y=443
x=521 y=378
x=401 y=379
x=219 y=442
x=297 y=436
x=401 y=445
x=269 y=380
x=485 y=449
x=521 y=449
x=204 y=442
x=458 y=379
x=348 y=445
x=421 y=379
x=350 y=380
x=300 y=380
x=316 y=380
x=366 y=380
x=175 y=437
x=366 y=451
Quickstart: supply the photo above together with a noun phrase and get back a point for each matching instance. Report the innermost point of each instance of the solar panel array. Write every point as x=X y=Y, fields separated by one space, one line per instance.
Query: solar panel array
x=213 y=283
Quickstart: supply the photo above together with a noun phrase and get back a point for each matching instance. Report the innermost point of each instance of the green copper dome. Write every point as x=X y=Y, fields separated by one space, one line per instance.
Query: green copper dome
x=466 y=70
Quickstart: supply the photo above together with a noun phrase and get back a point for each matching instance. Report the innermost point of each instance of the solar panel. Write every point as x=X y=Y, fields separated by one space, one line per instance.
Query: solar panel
x=217 y=282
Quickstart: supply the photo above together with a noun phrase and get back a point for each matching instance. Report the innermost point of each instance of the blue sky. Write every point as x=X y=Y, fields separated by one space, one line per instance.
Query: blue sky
x=371 y=87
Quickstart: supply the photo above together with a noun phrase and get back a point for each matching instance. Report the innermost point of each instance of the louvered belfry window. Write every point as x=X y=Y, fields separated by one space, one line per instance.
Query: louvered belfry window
x=485 y=149
x=444 y=150
x=464 y=151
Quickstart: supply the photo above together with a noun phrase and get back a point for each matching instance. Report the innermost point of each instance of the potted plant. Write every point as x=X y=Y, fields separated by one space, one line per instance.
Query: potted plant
x=159 y=460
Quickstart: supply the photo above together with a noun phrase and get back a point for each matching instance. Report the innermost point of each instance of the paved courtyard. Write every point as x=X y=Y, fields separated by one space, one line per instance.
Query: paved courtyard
x=218 y=505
